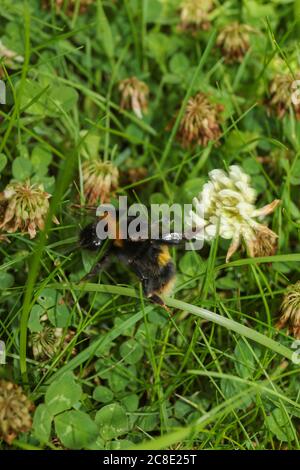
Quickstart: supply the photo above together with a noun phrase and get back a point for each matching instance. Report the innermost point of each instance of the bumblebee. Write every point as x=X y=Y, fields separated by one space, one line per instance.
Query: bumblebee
x=149 y=259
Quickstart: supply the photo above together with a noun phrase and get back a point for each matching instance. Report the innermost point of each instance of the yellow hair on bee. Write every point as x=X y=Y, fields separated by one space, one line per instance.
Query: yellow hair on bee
x=168 y=287
x=164 y=256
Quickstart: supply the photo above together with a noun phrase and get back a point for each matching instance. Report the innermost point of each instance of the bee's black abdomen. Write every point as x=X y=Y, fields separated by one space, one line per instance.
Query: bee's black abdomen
x=89 y=239
x=149 y=260
x=157 y=283
x=168 y=272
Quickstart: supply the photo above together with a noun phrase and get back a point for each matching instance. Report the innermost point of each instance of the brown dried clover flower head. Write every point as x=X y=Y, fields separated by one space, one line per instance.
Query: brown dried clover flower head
x=134 y=95
x=15 y=410
x=100 y=180
x=200 y=122
x=234 y=41
x=290 y=310
x=284 y=94
x=3 y=205
x=194 y=14
x=265 y=243
x=68 y=6
x=24 y=207
x=47 y=342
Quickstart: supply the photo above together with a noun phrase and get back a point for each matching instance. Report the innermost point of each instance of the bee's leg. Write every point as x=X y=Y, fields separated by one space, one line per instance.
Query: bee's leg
x=152 y=296
x=159 y=301
x=98 y=267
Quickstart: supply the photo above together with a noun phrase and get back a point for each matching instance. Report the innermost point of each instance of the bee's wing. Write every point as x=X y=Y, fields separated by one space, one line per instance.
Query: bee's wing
x=173 y=238
x=153 y=233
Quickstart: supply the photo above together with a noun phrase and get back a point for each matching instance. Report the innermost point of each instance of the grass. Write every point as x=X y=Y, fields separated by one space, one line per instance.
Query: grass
x=216 y=373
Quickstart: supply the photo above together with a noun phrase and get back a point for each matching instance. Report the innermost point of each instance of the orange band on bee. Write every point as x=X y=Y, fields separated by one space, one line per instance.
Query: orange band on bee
x=164 y=256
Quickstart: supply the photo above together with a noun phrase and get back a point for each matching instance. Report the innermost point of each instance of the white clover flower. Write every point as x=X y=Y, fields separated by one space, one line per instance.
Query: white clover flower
x=226 y=207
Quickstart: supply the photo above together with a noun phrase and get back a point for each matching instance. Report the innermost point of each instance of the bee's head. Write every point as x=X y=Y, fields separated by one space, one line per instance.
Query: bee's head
x=89 y=239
